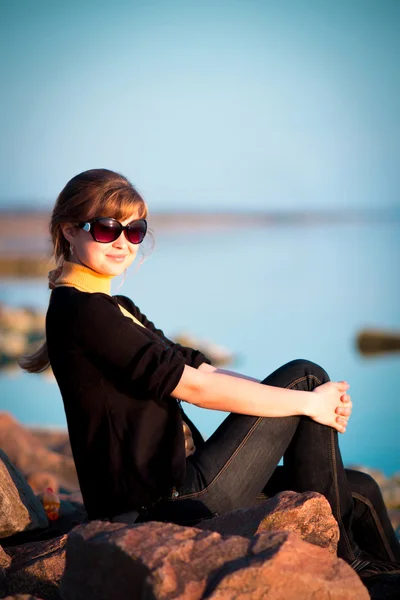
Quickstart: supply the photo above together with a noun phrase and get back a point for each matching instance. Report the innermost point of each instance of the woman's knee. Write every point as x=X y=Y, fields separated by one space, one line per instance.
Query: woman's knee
x=298 y=373
x=314 y=373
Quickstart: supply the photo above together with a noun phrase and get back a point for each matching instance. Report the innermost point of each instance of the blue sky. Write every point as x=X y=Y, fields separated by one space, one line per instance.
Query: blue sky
x=208 y=105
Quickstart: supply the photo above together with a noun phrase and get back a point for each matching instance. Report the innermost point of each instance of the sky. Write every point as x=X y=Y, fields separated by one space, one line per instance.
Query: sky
x=205 y=106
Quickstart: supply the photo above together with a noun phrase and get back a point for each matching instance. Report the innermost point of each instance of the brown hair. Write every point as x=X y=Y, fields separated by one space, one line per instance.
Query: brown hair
x=91 y=194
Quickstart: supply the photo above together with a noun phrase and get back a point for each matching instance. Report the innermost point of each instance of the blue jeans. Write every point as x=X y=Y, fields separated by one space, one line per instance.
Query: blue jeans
x=237 y=467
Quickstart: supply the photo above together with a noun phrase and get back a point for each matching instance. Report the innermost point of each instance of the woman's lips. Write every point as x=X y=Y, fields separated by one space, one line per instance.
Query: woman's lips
x=117 y=258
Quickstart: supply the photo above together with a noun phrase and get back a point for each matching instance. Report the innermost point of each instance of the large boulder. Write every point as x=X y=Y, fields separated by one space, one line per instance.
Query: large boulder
x=308 y=514
x=20 y=510
x=36 y=568
x=29 y=454
x=164 y=561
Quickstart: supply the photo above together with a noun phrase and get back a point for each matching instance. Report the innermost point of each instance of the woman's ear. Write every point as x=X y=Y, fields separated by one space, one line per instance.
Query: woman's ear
x=69 y=232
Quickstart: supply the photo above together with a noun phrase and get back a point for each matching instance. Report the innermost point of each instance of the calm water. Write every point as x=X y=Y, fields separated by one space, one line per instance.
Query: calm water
x=270 y=295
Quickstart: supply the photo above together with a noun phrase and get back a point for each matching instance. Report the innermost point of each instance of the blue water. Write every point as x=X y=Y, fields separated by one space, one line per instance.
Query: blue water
x=269 y=294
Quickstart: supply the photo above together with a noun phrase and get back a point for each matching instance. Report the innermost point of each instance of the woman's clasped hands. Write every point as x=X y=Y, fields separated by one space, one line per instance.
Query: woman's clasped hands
x=334 y=407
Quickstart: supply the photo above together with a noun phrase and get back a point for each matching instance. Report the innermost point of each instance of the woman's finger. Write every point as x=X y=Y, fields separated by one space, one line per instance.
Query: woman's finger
x=341 y=428
x=345 y=398
x=342 y=386
x=345 y=411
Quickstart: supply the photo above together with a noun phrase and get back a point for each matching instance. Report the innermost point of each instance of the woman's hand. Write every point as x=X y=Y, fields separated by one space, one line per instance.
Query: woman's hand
x=334 y=408
x=344 y=410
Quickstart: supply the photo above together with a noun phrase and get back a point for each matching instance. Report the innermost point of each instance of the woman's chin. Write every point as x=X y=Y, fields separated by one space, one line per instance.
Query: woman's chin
x=115 y=270
x=115 y=267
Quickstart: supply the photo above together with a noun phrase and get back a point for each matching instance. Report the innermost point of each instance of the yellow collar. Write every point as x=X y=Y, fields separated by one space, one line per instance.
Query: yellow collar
x=84 y=279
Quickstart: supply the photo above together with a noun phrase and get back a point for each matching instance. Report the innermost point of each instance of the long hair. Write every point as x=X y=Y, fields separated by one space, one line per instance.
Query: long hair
x=91 y=194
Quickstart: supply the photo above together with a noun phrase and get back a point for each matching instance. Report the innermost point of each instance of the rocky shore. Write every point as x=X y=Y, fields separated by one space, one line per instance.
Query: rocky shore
x=22 y=330
x=283 y=549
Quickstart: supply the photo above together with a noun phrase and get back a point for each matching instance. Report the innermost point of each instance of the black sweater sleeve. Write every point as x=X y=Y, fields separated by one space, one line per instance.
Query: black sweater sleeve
x=193 y=358
x=144 y=361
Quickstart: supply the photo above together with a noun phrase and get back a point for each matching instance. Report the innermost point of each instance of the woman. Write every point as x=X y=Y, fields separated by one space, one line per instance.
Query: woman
x=122 y=382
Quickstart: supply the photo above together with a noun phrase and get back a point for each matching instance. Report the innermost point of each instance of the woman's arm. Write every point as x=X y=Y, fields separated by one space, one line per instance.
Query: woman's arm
x=210 y=369
x=219 y=391
x=192 y=357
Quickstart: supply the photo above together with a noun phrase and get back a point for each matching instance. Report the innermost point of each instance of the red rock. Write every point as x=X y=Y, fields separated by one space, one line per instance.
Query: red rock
x=164 y=561
x=29 y=454
x=308 y=514
x=22 y=597
x=296 y=571
x=5 y=562
x=20 y=510
x=40 y=480
x=53 y=439
x=37 y=568
x=5 y=559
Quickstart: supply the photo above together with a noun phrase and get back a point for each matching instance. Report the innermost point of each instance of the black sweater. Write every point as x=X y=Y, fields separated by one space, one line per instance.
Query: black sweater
x=115 y=379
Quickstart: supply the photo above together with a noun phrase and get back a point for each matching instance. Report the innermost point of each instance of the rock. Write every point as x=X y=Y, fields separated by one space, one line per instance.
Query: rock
x=22 y=597
x=391 y=492
x=40 y=480
x=53 y=439
x=30 y=455
x=13 y=344
x=5 y=559
x=37 y=568
x=5 y=562
x=296 y=571
x=75 y=497
x=308 y=514
x=21 y=319
x=164 y=561
x=71 y=514
x=20 y=510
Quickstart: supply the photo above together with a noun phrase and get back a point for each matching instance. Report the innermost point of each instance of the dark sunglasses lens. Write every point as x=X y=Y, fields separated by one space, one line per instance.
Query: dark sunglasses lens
x=136 y=231
x=106 y=230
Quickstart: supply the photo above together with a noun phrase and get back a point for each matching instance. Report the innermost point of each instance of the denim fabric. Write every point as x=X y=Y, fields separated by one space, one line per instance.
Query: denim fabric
x=238 y=465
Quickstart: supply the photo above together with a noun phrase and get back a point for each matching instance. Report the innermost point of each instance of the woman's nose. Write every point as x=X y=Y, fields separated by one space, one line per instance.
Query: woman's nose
x=121 y=241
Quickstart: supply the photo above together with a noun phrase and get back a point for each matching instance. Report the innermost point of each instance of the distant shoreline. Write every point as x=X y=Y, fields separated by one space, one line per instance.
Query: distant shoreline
x=25 y=248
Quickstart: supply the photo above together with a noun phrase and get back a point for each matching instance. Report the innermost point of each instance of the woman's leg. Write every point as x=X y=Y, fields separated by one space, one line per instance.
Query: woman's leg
x=372 y=529
x=239 y=458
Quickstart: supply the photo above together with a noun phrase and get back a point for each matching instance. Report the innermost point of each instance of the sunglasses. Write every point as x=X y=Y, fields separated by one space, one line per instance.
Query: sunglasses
x=106 y=230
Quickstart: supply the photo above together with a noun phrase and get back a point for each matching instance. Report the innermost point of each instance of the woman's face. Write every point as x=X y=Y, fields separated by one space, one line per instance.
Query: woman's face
x=107 y=259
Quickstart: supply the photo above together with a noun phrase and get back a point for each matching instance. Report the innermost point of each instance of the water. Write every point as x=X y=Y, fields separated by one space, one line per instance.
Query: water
x=269 y=294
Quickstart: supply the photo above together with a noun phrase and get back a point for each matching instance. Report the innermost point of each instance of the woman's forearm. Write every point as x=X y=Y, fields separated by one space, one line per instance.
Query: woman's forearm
x=219 y=391
x=210 y=369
